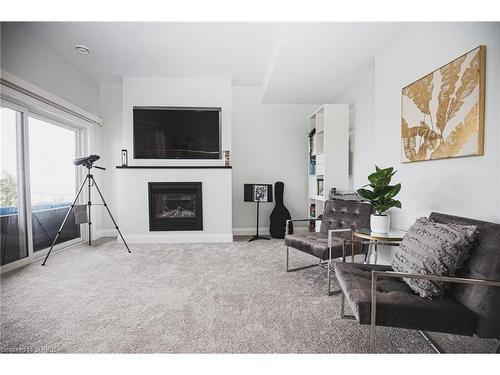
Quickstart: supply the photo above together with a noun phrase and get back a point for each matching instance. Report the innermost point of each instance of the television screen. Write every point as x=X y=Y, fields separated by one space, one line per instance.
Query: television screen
x=177 y=133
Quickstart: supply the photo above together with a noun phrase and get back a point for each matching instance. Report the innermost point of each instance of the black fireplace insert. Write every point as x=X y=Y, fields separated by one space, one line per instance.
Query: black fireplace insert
x=175 y=206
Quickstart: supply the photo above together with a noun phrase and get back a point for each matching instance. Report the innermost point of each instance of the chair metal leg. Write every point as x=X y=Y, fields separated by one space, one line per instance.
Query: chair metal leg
x=332 y=292
x=288 y=269
x=368 y=253
x=371 y=345
x=431 y=342
x=287 y=259
x=342 y=309
x=320 y=264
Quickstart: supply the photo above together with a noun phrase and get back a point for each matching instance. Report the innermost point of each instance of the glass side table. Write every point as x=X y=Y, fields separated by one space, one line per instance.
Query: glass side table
x=392 y=238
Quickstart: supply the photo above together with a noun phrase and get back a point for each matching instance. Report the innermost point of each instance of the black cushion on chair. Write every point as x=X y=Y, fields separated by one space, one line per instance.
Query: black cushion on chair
x=398 y=306
x=316 y=243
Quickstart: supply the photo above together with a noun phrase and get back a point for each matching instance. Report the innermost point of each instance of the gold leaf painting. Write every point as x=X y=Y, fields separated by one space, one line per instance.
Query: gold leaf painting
x=442 y=114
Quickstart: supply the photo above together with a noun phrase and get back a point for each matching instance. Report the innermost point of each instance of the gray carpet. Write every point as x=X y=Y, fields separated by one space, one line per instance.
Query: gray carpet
x=196 y=298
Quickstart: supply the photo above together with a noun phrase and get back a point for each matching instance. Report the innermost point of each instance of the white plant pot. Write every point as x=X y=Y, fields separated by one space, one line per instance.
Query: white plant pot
x=380 y=223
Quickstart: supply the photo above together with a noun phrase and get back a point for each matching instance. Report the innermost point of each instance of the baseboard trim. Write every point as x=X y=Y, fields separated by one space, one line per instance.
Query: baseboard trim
x=105 y=233
x=262 y=230
x=250 y=231
x=177 y=237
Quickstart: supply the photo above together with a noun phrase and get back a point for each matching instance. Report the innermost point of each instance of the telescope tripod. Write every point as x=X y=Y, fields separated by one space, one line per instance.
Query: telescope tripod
x=89 y=179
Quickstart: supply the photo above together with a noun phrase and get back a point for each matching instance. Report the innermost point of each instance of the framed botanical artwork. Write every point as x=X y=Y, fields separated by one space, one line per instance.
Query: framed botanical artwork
x=442 y=114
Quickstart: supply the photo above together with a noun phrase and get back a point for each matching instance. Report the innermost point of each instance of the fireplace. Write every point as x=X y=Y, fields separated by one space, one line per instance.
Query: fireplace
x=175 y=206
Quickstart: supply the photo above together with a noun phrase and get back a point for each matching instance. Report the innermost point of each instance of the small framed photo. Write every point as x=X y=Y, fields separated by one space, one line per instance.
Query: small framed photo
x=260 y=193
x=124 y=158
x=321 y=186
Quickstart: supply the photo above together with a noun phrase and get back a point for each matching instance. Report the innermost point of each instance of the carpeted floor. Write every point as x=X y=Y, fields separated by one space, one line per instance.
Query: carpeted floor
x=196 y=298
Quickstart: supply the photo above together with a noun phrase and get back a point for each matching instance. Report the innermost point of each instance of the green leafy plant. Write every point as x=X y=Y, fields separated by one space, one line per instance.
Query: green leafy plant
x=8 y=190
x=382 y=194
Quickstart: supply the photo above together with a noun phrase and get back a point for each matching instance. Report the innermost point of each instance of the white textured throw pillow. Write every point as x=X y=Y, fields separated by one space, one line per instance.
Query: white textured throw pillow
x=432 y=248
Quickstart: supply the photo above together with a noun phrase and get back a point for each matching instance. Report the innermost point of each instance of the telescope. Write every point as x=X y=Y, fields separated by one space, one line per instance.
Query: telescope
x=88 y=161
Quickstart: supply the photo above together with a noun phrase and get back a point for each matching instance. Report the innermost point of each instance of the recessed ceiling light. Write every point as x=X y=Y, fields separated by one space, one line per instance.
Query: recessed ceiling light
x=82 y=50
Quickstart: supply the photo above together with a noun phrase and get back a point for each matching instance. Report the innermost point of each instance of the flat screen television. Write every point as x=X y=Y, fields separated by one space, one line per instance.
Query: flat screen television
x=177 y=133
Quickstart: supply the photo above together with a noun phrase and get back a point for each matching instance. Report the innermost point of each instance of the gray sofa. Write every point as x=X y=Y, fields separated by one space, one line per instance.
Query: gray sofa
x=334 y=238
x=378 y=296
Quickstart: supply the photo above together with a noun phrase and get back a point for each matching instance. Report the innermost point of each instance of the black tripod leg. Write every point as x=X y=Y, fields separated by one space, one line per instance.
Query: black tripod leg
x=110 y=215
x=89 y=204
x=65 y=219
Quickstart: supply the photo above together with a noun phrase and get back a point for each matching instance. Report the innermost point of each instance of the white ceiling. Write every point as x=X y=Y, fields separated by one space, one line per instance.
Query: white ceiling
x=294 y=62
x=317 y=61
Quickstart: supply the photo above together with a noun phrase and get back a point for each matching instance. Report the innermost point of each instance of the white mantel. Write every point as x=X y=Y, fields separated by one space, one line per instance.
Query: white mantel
x=133 y=204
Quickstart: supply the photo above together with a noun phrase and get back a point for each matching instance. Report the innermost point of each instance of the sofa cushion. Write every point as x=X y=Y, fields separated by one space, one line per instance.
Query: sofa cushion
x=398 y=306
x=432 y=248
x=316 y=243
x=484 y=263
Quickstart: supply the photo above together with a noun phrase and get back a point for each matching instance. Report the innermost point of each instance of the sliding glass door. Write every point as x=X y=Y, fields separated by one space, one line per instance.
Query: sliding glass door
x=52 y=148
x=38 y=183
x=13 y=240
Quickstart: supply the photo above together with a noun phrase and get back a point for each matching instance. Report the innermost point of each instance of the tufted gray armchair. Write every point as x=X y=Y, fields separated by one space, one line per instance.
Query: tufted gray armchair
x=339 y=217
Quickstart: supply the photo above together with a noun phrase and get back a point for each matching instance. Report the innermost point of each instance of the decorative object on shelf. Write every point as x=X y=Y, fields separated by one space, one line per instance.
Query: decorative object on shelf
x=333 y=192
x=381 y=197
x=280 y=214
x=258 y=193
x=348 y=196
x=124 y=158
x=312 y=210
x=226 y=158
x=450 y=123
x=311 y=141
x=321 y=185
x=312 y=225
x=312 y=167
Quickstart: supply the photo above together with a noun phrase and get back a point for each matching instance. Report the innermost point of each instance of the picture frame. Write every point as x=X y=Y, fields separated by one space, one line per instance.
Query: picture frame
x=442 y=113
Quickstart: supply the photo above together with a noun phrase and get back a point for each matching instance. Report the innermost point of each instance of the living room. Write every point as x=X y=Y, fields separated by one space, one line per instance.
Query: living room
x=250 y=187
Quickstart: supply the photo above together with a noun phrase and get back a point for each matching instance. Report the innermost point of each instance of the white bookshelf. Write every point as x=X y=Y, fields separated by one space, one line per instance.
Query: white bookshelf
x=329 y=154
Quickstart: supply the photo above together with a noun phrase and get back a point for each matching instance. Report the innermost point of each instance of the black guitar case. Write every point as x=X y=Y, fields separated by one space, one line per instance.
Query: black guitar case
x=280 y=213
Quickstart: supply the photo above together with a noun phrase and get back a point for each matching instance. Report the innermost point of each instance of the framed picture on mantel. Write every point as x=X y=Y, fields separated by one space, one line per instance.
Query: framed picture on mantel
x=442 y=114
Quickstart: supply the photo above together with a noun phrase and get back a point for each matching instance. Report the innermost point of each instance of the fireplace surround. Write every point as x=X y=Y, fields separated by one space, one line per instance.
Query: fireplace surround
x=175 y=206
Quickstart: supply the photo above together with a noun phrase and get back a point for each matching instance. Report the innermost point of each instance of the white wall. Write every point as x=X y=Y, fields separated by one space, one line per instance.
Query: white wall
x=23 y=55
x=463 y=186
x=467 y=186
x=360 y=98
x=111 y=112
x=269 y=145
x=182 y=92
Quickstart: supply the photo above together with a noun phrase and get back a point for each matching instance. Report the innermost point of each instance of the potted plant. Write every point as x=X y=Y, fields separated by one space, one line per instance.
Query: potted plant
x=381 y=196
